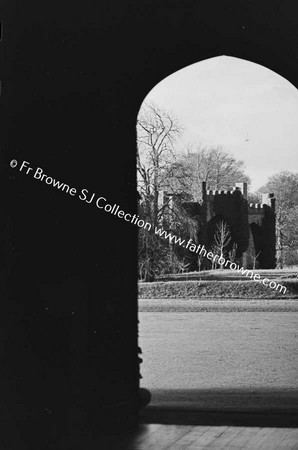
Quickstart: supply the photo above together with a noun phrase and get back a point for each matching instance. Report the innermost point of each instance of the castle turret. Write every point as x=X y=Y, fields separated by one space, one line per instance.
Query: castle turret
x=243 y=188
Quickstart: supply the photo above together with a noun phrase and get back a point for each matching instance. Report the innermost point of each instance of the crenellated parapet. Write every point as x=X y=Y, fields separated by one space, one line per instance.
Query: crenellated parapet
x=252 y=225
x=238 y=187
x=255 y=208
x=256 y=205
x=268 y=204
x=211 y=193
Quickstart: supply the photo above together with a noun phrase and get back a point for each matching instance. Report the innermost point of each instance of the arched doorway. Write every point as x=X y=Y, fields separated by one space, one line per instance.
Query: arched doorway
x=240 y=103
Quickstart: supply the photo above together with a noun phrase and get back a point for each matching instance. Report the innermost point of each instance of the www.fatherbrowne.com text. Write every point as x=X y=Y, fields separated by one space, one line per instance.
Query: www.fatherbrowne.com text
x=201 y=251
x=101 y=203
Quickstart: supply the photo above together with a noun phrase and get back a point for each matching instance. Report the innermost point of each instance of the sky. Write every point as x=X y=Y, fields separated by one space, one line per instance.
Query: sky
x=249 y=110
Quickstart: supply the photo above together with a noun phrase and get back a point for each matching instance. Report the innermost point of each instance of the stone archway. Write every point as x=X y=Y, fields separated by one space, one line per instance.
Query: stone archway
x=256 y=211
x=73 y=82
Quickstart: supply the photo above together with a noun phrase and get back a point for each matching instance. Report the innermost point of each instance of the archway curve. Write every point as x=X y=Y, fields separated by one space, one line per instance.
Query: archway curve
x=263 y=94
x=202 y=61
x=279 y=71
x=275 y=62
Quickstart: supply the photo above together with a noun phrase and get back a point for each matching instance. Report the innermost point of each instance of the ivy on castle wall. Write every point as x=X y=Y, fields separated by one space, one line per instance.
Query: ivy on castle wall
x=233 y=209
x=196 y=211
x=268 y=240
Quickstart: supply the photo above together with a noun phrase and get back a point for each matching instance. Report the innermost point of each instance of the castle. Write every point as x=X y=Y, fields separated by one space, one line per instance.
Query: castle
x=251 y=226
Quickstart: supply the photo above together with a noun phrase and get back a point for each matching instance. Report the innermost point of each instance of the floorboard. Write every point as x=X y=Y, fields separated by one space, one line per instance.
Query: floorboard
x=192 y=437
x=162 y=437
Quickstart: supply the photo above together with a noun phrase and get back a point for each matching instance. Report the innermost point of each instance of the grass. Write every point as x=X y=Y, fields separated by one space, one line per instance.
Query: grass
x=230 y=275
x=217 y=284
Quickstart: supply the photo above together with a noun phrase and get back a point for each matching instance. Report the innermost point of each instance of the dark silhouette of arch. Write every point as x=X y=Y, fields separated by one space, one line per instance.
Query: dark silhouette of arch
x=73 y=82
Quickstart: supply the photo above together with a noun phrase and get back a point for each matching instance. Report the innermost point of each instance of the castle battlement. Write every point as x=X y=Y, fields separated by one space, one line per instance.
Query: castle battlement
x=212 y=193
x=257 y=205
x=238 y=187
x=256 y=208
x=252 y=225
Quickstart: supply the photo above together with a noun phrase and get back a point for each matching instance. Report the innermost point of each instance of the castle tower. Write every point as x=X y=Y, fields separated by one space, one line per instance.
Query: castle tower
x=261 y=218
x=253 y=226
x=242 y=187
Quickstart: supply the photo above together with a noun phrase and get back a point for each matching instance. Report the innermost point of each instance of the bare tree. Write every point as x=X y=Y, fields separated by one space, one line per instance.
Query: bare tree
x=199 y=261
x=157 y=132
x=254 y=258
x=222 y=239
x=217 y=168
x=183 y=266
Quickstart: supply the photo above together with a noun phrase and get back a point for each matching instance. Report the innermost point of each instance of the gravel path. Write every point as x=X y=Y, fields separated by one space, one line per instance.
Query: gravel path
x=234 y=360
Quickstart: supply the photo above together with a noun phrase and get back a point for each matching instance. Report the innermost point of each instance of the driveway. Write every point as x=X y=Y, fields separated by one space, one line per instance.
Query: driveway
x=221 y=359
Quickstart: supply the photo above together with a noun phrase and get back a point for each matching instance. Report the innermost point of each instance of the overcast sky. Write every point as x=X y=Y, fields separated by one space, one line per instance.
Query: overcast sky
x=246 y=108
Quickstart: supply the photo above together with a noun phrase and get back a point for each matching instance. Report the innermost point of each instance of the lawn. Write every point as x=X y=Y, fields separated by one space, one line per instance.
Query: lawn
x=230 y=275
x=222 y=284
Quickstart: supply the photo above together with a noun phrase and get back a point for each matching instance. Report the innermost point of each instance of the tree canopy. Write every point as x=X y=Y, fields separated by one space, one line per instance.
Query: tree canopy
x=167 y=178
x=218 y=168
x=284 y=185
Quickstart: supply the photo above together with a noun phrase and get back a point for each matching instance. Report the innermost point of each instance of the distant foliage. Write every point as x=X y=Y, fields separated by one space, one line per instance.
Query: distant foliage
x=219 y=169
x=285 y=187
x=157 y=133
x=254 y=197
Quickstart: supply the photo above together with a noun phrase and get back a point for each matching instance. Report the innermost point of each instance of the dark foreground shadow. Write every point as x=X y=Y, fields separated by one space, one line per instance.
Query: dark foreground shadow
x=255 y=407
